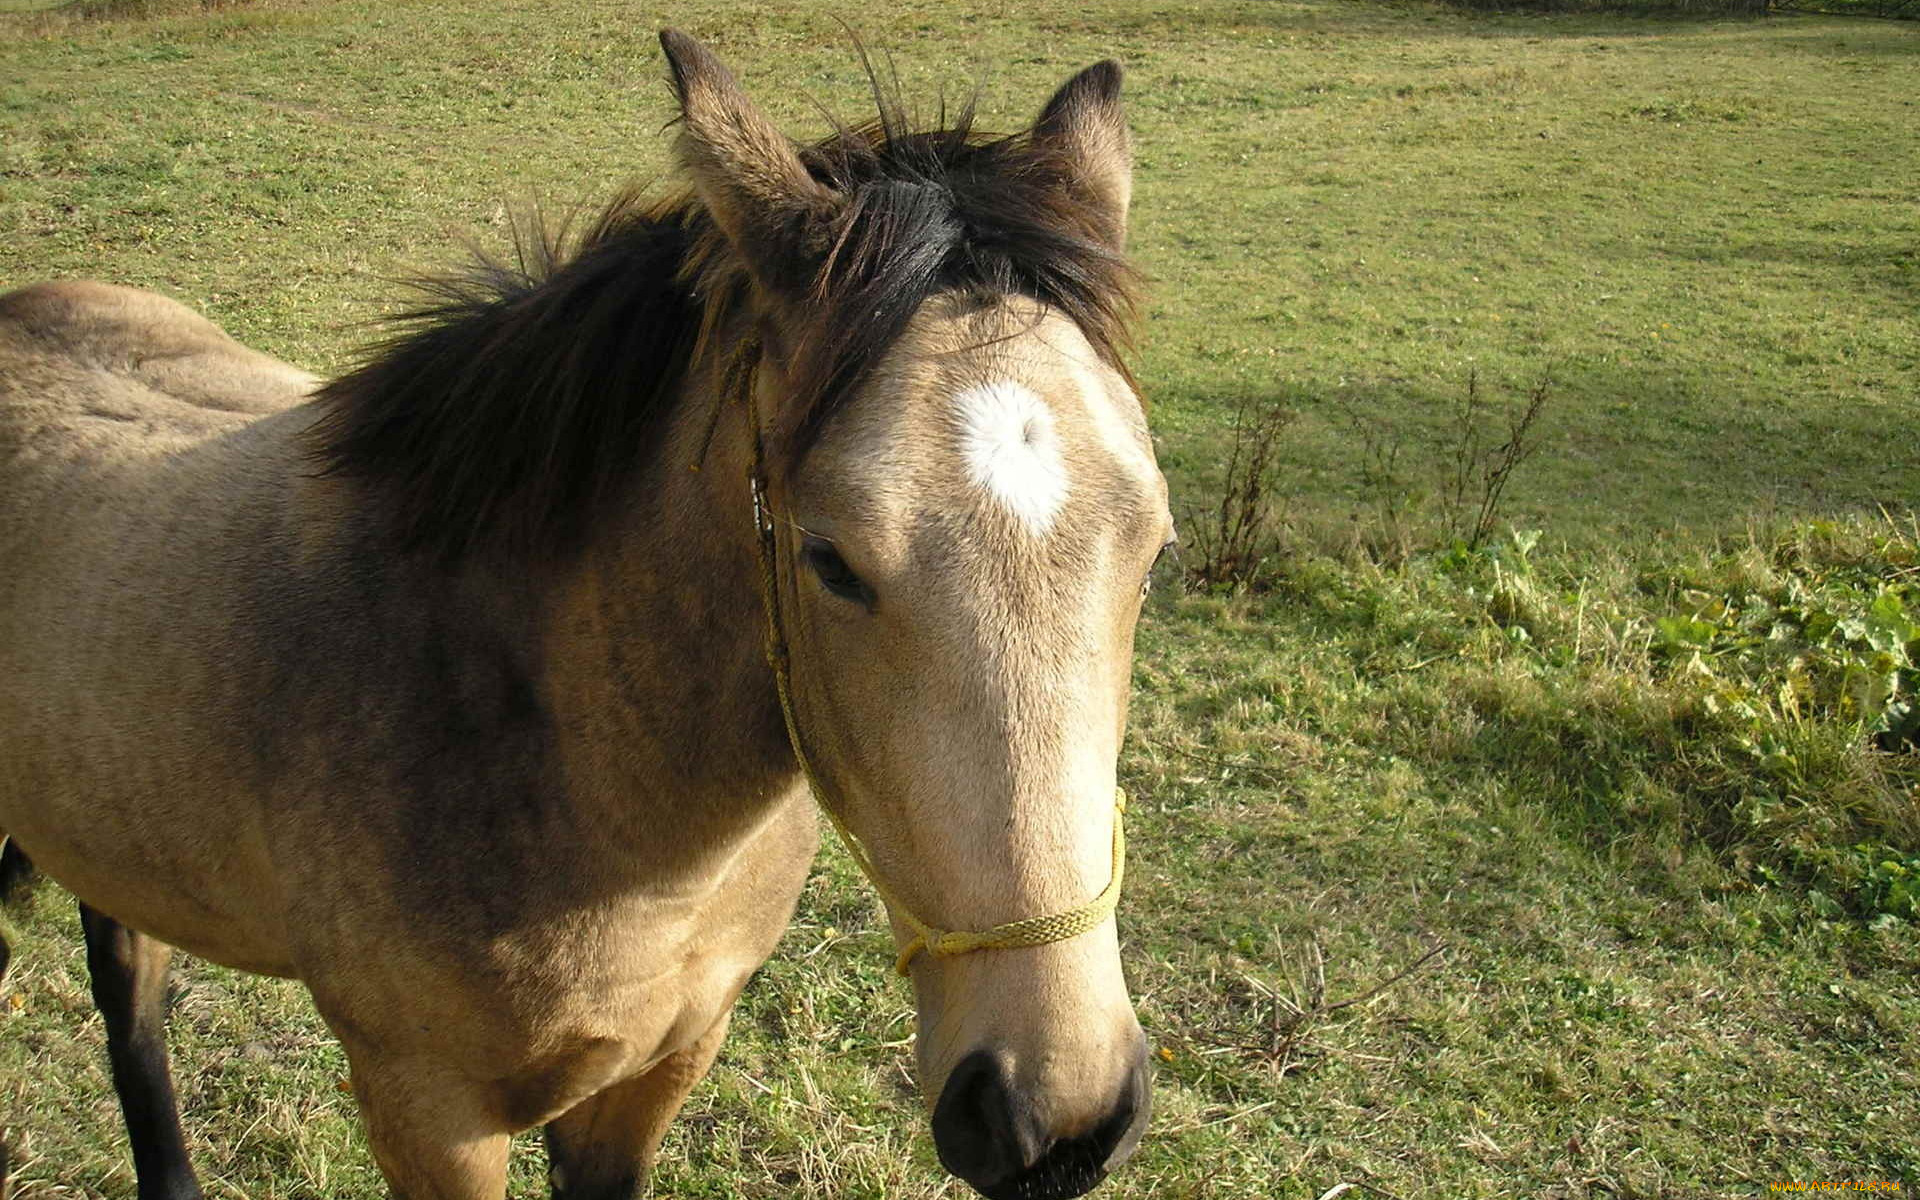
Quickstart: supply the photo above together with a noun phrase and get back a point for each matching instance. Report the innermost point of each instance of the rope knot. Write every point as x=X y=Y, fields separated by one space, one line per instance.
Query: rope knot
x=1032 y=931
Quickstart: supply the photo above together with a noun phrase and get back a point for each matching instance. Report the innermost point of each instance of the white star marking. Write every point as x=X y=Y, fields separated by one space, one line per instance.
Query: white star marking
x=1007 y=437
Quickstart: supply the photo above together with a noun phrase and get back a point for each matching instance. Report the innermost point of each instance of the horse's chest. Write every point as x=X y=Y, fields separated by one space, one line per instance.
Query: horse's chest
x=573 y=997
x=610 y=997
x=634 y=1013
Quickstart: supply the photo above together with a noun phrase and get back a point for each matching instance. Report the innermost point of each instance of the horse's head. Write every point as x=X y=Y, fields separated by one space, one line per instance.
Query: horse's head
x=966 y=508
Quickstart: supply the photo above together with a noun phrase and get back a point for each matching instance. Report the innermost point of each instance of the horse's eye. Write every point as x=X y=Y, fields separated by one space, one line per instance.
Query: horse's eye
x=834 y=573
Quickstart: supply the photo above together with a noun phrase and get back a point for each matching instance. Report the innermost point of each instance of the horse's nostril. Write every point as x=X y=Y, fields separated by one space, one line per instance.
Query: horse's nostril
x=975 y=1129
x=986 y=1135
x=1121 y=1132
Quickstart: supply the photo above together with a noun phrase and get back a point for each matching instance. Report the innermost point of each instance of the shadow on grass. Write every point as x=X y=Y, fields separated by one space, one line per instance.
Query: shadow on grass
x=116 y=10
x=1340 y=19
x=1623 y=450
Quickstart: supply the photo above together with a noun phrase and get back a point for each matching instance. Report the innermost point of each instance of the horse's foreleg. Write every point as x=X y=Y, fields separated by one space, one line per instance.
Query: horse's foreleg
x=129 y=973
x=435 y=1134
x=603 y=1147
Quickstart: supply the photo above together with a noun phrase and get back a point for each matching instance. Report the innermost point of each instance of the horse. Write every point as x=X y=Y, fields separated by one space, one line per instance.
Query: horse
x=487 y=689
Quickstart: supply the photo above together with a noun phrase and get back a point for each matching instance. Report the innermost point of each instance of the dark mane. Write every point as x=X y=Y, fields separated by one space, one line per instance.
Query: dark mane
x=511 y=405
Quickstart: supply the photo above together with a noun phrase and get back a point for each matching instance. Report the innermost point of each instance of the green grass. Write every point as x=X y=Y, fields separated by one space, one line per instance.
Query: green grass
x=1588 y=771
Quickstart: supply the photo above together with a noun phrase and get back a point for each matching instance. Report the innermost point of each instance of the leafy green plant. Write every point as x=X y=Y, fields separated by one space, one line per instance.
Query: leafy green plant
x=1892 y=886
x=1840 y=643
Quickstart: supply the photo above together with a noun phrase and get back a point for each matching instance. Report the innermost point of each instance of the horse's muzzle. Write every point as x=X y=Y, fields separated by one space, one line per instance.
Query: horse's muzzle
x=989 y=1136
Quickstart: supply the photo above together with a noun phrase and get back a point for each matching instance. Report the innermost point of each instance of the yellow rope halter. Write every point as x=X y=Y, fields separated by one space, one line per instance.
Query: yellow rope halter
x=940 y=943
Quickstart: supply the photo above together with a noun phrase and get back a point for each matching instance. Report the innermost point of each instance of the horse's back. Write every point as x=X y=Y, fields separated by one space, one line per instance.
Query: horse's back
x=142 y=485
x=97 y=380
x=89 y=345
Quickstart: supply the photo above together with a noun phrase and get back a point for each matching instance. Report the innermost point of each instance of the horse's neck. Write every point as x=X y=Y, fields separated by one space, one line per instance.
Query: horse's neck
x=616 y=713
x=667 y=723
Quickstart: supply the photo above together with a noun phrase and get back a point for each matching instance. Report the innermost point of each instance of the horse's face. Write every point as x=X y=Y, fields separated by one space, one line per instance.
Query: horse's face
x=965 y=535
x=973 y=537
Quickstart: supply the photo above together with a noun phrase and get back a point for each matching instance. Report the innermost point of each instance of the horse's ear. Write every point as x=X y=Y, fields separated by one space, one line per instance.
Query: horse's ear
x=1085 y=123
x=744 y=169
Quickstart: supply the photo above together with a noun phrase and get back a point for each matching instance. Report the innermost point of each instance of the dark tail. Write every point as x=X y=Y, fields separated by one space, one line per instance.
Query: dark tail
x=16 y=870
x=16 y=873
x=14 y=866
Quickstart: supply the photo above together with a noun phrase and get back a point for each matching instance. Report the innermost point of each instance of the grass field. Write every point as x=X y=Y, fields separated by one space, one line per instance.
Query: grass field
x=1621 y=772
